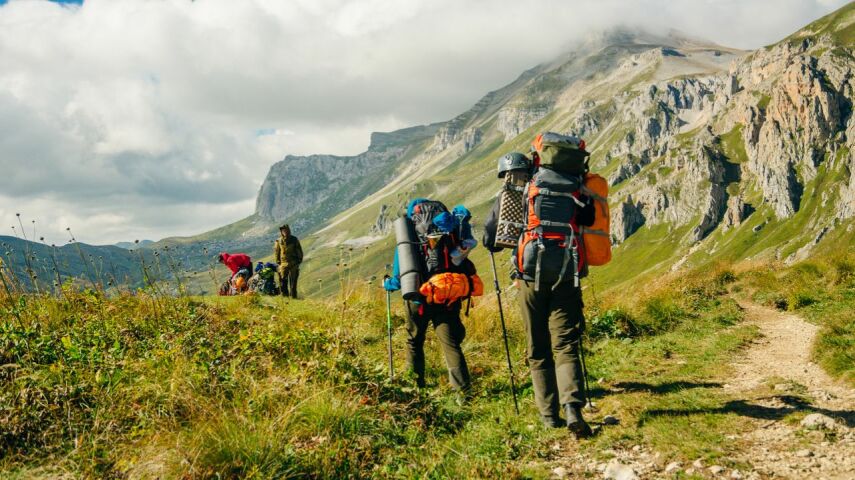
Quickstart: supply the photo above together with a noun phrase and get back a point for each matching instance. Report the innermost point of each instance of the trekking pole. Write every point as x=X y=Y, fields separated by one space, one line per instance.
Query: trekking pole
x=389 y=330
x=582 y=352
x=504 y=331
x=585 y=375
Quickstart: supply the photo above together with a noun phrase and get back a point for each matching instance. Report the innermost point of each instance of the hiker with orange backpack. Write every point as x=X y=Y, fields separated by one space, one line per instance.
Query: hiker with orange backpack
x=241 y=267
x=435 y=279
x=557 y=210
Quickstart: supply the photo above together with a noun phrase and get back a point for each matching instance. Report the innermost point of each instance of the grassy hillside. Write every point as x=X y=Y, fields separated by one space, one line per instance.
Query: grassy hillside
x=38 y=266
x=147 y=385
x=840 y=25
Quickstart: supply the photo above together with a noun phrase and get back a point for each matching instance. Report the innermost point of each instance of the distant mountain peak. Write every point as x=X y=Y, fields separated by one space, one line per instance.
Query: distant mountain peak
x=636 y=35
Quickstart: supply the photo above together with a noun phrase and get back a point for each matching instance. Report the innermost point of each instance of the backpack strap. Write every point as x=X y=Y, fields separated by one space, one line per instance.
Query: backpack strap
x=571 y=252
x=469 y=296
x=540 y=248
x=549 y=193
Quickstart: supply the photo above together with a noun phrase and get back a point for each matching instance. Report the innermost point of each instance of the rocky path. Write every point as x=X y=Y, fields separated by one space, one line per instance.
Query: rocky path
x=772 y=379
x=822 y=445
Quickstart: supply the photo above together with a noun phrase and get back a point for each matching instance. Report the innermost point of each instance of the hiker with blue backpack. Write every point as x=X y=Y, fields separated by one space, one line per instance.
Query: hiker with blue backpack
x=545 y=213
x=436 y=278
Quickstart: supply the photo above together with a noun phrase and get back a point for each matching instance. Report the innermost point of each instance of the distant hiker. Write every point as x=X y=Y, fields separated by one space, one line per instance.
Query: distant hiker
x=241 y=267
x=435 y=278
x=289 y=255
x=550 y=258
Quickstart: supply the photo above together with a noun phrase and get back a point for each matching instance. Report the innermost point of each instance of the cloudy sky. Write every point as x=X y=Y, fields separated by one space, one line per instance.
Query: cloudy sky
x=127 y=119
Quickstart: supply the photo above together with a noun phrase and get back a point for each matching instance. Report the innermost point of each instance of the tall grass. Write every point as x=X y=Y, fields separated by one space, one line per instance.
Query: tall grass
x=153 y=383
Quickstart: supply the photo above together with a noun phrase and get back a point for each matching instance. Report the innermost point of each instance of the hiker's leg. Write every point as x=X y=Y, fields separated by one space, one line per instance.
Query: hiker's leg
x=283 y=281
x=450 y=332
x=565 y=325
x=416 y=329
x=293 y=275
x=534 y=308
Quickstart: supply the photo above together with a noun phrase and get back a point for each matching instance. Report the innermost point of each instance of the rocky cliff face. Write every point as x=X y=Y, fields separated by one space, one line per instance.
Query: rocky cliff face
x=451 y=134
x=514 y=120
x=691 y=151
x=318 y=186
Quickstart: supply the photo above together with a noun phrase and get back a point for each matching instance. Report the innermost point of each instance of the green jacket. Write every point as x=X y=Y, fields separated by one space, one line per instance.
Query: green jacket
x=287 y=251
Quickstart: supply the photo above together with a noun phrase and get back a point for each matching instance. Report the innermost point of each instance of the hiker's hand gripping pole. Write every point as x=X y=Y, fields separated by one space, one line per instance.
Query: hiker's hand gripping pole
x=389 y=330
x=504 y=331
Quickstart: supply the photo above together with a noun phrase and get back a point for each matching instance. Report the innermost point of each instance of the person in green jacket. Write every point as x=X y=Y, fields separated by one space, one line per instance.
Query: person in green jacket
x=289 y=255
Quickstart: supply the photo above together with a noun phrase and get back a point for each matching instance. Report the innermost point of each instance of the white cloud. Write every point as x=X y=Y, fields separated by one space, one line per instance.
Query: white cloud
x=150 y=118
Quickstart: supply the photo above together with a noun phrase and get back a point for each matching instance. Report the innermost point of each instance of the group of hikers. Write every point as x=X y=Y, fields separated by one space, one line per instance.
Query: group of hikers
x=288 y=255
x=552 y=212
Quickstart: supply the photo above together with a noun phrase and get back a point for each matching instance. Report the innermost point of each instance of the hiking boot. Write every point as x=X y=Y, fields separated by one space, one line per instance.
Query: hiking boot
x=575 y=422
x=552 y=421
x=463 y=397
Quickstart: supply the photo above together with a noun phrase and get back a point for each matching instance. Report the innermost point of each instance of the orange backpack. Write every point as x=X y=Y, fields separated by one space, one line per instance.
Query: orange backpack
x=596 y=241
x=553 y=247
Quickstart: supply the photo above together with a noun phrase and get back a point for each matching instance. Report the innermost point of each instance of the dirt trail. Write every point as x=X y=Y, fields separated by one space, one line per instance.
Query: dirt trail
x=772 y=379
x=777 y=448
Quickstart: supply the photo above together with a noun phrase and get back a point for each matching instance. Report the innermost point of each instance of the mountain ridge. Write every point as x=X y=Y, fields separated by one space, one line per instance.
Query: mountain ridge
x=681 y=132
x=712 y=153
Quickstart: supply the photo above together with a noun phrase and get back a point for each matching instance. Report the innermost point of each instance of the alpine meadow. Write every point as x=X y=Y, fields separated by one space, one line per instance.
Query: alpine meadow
x=658 y=280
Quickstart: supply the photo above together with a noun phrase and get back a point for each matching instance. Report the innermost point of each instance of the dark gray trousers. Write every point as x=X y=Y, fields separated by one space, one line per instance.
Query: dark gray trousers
x=449 y=331
x=553 y=322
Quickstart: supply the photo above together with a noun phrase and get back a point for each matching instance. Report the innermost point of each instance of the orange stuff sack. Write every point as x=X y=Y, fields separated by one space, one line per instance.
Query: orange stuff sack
x=446 y=288
x=477 y=286
x=596 y=238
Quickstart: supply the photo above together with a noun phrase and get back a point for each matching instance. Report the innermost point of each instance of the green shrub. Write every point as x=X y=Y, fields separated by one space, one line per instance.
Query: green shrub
x=613 y=323
x=805 y=271
x=661 y=315
x=835 y=346
x=800 y=299
x=844 y=271
x=725 y=277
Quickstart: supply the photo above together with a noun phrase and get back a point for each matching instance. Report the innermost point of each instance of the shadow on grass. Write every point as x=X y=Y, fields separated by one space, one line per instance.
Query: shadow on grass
x=791 y=404
x=659 y=389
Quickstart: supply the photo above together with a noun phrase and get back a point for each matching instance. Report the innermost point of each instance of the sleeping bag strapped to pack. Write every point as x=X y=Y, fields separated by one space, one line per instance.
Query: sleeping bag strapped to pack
x=409 y=256
x=596 y=238
x=447 y=288
x=561 y=153
x=550 y=249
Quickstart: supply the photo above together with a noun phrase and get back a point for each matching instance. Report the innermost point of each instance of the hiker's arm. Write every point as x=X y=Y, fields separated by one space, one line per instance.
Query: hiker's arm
x=393 y=283
x=277 y=254
x=490 y=226
x=299 y=251
x=585 y=216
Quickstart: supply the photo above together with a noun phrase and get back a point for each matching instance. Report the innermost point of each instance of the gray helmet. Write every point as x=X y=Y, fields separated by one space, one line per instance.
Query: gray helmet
x=513 y=161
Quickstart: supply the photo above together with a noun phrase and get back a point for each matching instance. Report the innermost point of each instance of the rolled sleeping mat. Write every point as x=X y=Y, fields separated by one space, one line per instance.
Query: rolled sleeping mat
x=511 y=222
x=409 y=258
